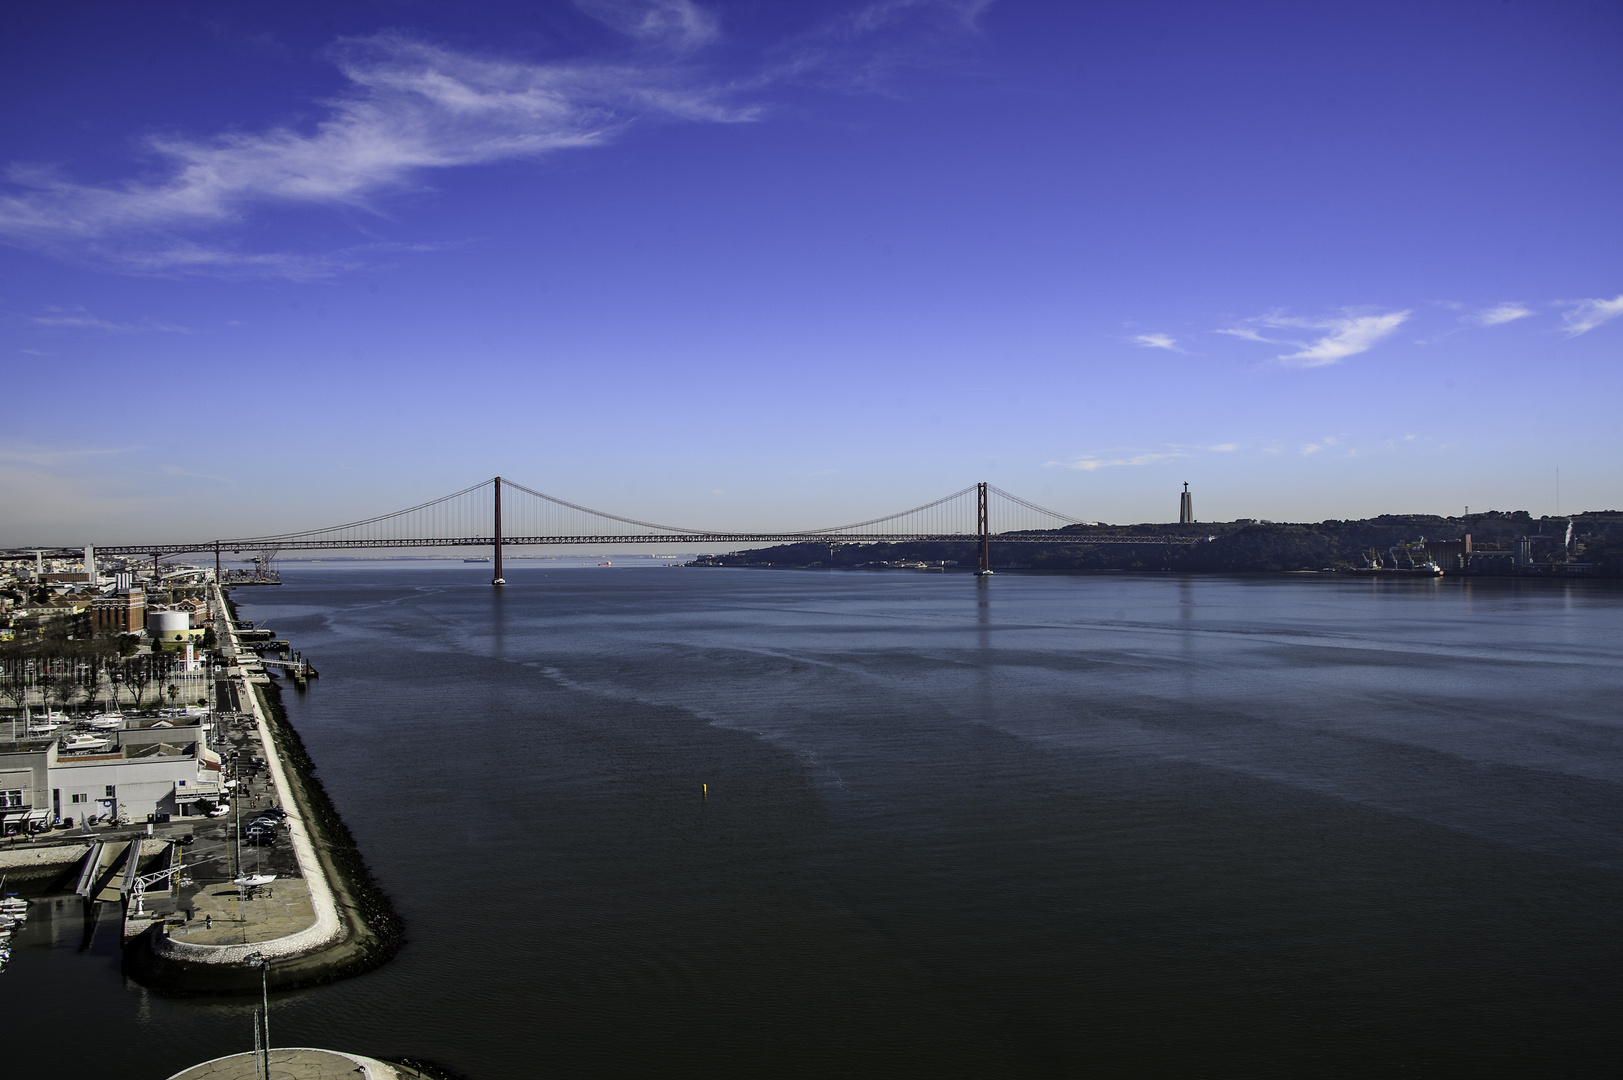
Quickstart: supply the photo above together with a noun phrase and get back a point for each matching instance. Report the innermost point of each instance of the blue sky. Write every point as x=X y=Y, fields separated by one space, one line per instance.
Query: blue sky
x=760 y=264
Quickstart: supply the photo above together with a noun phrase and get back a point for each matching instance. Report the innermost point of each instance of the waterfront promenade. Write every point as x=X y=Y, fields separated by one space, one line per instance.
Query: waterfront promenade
x=291 y=917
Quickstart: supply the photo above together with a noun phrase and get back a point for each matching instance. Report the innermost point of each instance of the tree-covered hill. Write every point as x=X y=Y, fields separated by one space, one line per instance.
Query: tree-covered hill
x=1235 y=546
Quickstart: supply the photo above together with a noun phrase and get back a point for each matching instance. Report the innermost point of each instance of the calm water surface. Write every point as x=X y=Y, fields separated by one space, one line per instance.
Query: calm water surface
x=1109 y=826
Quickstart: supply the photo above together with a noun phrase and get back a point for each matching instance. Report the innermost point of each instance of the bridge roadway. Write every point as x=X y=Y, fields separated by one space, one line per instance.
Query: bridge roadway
x=258 y=544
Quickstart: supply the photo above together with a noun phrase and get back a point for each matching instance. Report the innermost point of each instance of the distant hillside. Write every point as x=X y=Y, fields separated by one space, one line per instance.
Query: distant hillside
x=1237 y=546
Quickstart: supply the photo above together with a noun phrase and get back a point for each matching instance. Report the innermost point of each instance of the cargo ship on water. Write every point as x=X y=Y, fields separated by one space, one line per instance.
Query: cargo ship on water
x=1406 y=560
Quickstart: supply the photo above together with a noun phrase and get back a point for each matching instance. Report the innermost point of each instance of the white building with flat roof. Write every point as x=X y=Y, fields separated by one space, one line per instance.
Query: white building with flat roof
x=139 y=774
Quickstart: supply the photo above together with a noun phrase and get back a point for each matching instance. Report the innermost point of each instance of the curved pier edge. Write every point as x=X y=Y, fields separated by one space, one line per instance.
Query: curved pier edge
x=358 y=930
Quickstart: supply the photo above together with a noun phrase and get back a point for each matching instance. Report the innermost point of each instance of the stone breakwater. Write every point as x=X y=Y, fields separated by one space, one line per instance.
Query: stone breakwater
x=355 y=927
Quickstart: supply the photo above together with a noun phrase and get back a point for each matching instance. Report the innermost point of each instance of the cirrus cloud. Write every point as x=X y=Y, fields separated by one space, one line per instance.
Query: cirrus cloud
x=1585 y=315
x=1111 y=459
x=1344 y=335
x=1499 y=314
x=410 y=107
x=80 y=319
x=1157 y=341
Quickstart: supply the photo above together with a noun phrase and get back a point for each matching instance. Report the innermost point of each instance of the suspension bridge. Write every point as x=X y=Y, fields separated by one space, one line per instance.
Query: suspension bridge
x=499 y=513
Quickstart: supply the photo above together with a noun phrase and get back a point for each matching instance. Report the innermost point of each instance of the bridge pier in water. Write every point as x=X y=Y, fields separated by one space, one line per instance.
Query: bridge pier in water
x=984 y=548
x=498 y=580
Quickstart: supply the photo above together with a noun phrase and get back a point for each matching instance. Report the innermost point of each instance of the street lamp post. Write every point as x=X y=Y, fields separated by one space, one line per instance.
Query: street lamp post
x=263 y=962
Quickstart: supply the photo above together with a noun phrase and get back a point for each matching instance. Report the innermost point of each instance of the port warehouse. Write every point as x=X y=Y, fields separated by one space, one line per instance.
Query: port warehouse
x=148 y=770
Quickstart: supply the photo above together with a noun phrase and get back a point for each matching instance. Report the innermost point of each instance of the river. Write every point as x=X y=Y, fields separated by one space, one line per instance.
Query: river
x=1116 y=825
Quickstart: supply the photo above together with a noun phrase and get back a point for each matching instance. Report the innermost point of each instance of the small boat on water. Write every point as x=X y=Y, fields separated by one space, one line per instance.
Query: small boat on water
x=80 y=742
x=107 y=721
x=605 y=564
x=486 y=559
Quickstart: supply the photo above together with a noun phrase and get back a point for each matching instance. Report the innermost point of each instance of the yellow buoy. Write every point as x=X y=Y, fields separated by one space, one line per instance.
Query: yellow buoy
x=704 y=790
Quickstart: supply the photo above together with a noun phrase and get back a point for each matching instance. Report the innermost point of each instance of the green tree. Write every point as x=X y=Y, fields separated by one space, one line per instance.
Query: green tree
x=138 y=673
x=89 y=674
x=64 y=689
x=15 y=685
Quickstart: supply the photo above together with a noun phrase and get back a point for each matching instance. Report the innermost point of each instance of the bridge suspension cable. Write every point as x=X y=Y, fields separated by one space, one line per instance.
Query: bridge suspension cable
x=542 y=518
x=958 y=514
x=477 y=515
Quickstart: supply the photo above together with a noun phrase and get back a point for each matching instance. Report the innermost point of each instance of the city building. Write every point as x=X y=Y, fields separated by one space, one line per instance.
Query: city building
x=135 y=775
x=124 y=612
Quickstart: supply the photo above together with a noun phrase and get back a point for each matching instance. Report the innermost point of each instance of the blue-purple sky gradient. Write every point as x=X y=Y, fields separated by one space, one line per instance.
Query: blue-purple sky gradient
x=778 y=264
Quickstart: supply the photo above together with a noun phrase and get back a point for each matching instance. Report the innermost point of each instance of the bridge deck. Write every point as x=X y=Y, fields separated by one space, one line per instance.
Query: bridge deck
x=692 y=539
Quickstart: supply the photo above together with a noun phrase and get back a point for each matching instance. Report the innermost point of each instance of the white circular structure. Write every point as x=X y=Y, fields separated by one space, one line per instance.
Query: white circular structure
x=303 y=1062
x=164 y=625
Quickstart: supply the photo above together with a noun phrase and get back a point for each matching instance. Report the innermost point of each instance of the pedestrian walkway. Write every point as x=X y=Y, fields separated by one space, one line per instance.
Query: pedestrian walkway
x=220 y=916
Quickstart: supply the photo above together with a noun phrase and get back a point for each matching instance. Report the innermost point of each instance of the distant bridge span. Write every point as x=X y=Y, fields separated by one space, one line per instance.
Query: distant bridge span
x=475 y=517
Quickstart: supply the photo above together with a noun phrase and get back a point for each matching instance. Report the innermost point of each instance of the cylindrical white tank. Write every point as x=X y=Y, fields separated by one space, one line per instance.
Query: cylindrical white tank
x=164 y=625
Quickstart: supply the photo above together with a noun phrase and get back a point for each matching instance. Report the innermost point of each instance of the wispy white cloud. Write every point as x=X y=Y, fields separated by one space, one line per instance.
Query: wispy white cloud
x=1090 y=464
x=859 y=50
x=1157 y=341
x=1323 y=444
x=1344 y=335
x=80 y=319
x=674 y=25
x=1499 y=314
x=411 y=106
x=1116 y=458
x=1585 y=315
x=54 y=459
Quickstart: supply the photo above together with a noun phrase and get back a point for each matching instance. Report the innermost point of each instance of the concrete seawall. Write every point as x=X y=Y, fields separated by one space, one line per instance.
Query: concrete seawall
x=33 y=863
x=354 y=927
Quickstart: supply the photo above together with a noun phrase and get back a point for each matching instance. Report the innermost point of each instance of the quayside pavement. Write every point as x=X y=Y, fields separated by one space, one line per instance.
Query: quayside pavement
x=234 y=925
